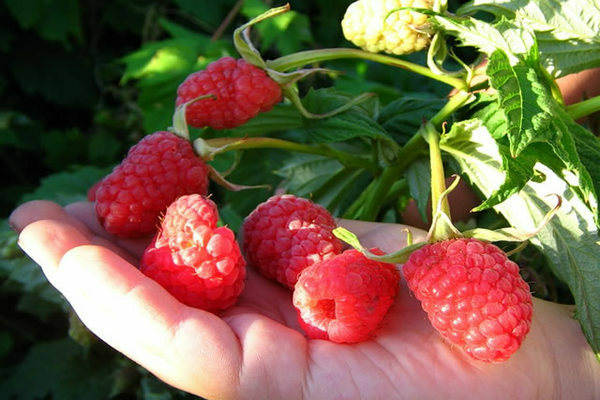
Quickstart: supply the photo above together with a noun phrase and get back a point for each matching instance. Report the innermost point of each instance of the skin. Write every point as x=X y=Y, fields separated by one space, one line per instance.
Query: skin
x=580 y=86
x=256 y=351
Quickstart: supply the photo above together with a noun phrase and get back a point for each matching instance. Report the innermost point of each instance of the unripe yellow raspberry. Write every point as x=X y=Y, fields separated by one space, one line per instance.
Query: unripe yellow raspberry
x=403 y=32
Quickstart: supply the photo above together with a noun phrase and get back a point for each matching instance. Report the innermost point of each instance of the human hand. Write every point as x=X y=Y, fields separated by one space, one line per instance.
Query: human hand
x=256 y=349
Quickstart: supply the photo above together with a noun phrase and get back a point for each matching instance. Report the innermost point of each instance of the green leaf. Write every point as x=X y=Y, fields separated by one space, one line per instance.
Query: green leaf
x=153 y=389
x=58 y=148
x=566 y=57
x=418 y=176
x=103 y=147
x=282 y=117
x=57 y=370
x=56 y=20
x=566 y=30
x=287 y=32
x=209 y=12
x=25 y=277
x=538 y=129
x=569 y=240
x=255 y=167
x=356 y=122
x=524 y=99
x=164 y=58
x=403 y=116
x=27 y=13
x=324 y=180
x=512 y=39
x=588 y=149
x=67 y=187
x=66 y=79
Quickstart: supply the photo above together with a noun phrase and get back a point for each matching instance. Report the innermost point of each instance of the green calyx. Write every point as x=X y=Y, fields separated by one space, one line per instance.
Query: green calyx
x=398 y=257
x=180 y=125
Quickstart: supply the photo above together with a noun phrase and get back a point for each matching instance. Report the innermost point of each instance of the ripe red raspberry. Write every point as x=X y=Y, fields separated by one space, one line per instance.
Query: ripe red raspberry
x=91 y=193
x=345 y=298
x=473 y=295
x=157 y=170
x=286 y=234
x=241 y=91
x=199 y=263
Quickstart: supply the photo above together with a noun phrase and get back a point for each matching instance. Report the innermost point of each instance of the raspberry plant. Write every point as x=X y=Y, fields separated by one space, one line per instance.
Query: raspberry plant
x=351 y=133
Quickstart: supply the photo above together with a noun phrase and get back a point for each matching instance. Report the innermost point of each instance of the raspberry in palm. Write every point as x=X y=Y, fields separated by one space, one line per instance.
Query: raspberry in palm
x=286 y=234
x=473 y=295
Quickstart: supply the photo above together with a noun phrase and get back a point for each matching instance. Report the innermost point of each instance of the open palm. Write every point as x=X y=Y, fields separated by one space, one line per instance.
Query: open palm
x=256 y=349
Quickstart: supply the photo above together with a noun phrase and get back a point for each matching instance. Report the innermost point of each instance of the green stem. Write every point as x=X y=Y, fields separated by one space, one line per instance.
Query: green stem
x=413 y=149
x=241 y=39
x=375 y=198
x=211 y=147
x=584 y=108
x=455 y=102
x=438 y=178
x=372 y=202
x=302 y=58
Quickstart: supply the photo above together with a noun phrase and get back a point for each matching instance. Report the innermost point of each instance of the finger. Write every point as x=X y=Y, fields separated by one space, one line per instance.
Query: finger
x=85 y=212
x=37 y=210
x=186 y=347
x=47 y=241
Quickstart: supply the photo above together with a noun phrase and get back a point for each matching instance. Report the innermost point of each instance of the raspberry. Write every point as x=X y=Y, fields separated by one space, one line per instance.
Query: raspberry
x=199 y=263
x=241 y=91
x=402 y=32
x=91 y=193
x=344 y=299
x=473 y=295
x=286 y=234
x=157 y=170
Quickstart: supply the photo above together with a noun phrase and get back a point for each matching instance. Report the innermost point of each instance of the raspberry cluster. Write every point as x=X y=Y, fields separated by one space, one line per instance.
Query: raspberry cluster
x=339 y=296
x=472 y=293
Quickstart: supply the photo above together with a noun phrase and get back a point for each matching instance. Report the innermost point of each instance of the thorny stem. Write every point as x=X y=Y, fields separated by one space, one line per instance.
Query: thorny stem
x=302 y=58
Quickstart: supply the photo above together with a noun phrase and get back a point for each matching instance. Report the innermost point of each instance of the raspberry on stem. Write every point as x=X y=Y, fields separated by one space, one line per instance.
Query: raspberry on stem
x=473 y=295
x=158 y=169
x=239 y=92
x=372 y=26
